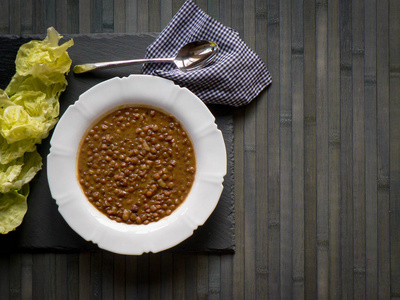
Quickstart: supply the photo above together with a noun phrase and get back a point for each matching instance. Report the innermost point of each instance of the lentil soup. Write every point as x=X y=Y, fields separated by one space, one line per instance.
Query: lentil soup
x=136 y=164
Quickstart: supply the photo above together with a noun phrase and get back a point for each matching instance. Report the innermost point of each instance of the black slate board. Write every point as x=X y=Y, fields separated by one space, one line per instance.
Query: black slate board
x=43 y=228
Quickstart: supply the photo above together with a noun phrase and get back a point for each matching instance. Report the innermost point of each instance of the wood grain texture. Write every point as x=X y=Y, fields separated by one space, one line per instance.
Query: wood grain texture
x=394 y=131
x=49 y=17
x=166 y=13
x=273 y=152
x=39 y=16
x=310 y=199
x=131 y=16
x=143 y=16
x=371 y=157
x=179 y=277
x=61 y=276
x=73 y=277
x=84 y=16
x=26 y=16
x=119 y=279
x=322 y=166
x=261 y=151
x=346 y=146
x=5 y=279
x=131 y=277
x=383 y=148
x=334 y=148
x=143 y=276
x=202 y=276
x=154 y=16
x=190 y=275
x=107 y=16
x=214 y=277
x=119 y=16
x=73 y=16
x=26 y=275
x=15 y=276
x=166 y=275
x=239 y=259
x=250 y=163
x=84 y=284
x=285 y=137
x=62 y=15
x=44 y=279
x=317 y=159
x=298 y=206
x=15 y=16
x=358 y=148
x=96 y=16
x=96 y=284
x=5 y=17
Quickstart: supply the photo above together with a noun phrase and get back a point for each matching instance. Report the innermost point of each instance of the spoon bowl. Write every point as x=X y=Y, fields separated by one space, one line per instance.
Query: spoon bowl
x=192 y=56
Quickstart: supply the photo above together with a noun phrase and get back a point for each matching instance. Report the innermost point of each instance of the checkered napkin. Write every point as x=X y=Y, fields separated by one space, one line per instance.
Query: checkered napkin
x=235 y=78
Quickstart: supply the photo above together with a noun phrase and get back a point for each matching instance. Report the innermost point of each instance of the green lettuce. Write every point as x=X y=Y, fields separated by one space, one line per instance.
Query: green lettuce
x=45 y=60
x=9 y=152
x=20 y=83
x=20 y=171
x=29 y=109
x=13 y=207
x=17 y=124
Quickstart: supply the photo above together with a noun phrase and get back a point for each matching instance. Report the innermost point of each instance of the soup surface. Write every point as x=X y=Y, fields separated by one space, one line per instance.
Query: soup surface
x=136 y=164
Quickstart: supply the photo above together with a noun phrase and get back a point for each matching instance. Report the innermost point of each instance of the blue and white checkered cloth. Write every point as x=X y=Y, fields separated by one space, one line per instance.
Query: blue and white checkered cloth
x=235 y=78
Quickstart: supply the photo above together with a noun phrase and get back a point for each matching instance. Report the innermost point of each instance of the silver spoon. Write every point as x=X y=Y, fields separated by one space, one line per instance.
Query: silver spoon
x=192 y=56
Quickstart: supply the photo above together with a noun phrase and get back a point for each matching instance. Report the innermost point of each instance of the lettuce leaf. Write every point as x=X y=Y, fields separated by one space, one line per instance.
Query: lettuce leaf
x=29 y=83
x=16 y=124
x=34 y=103
x=45 y=59
x=13 y=207
x=9 y=152
x=18 y=172
x=29 y=109
x=21 y=84
x=39 y=108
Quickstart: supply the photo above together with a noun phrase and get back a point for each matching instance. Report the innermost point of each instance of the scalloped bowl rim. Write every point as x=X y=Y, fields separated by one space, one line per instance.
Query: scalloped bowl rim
x=211 y=164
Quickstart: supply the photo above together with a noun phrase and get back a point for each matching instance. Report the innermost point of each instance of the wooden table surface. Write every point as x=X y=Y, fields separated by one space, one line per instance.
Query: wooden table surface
x=317 y=159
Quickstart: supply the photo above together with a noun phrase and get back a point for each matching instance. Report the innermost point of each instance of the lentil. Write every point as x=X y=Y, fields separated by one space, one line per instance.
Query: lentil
x=136 y=164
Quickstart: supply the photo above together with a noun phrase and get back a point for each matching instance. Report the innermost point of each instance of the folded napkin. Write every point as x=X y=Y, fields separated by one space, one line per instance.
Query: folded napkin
x=235 y=78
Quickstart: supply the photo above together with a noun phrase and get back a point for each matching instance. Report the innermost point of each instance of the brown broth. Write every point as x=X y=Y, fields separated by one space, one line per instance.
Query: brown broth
x=136 y=164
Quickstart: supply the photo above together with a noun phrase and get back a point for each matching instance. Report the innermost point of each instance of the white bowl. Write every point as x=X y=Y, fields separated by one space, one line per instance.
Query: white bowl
x=211 y=164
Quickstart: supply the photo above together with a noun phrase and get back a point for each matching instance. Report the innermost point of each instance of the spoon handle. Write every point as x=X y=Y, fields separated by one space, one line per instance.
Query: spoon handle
x=112 y=64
